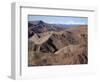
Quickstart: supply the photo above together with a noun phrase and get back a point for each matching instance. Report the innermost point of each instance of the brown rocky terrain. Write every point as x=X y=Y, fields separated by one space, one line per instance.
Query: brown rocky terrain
x=50 y=44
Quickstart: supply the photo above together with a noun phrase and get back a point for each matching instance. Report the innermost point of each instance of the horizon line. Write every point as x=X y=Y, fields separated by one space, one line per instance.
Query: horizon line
x=60 y=23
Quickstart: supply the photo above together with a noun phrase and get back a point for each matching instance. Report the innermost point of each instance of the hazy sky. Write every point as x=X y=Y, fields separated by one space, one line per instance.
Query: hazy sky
x=59 y=19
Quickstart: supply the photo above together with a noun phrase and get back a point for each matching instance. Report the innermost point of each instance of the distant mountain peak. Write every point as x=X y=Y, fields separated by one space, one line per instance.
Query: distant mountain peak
x=40 y=22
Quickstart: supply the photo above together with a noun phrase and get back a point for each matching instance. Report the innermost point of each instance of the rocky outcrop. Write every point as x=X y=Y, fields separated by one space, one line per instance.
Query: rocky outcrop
x=53 y=41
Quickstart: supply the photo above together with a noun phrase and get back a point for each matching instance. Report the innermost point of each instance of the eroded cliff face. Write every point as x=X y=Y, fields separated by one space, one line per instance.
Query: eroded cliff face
x=49 y=45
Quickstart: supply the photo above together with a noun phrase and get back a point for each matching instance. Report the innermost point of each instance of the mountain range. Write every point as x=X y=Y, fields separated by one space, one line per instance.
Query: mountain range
x=56 y=44
x=40 y=27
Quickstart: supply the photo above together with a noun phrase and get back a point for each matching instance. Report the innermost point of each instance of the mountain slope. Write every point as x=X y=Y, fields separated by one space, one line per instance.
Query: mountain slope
x=40 y=27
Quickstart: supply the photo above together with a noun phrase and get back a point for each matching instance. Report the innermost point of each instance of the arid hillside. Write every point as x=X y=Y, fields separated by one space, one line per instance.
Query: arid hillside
x=51 y=44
